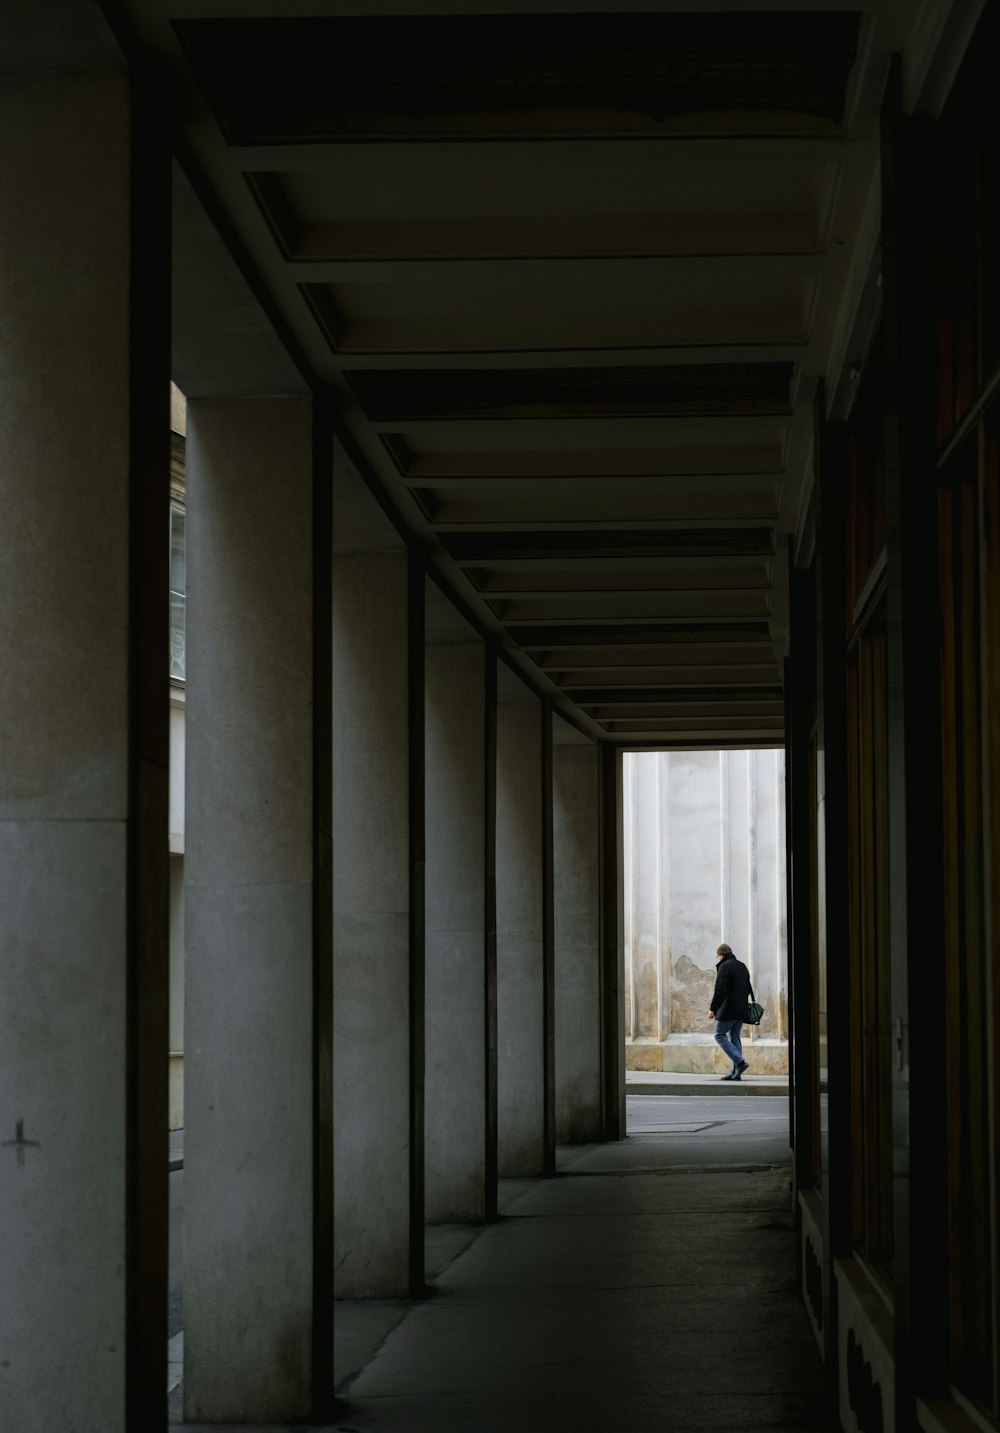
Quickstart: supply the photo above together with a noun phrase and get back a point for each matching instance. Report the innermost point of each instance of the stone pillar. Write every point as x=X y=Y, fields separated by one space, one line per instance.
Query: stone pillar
x=460 y=1128
x=84 y=434
x=248 y=1207
x=378 y=603
x=521 y=1093
x=752 y=835
x=647 y=878
x=734 y=837
x=705 y=878
x=769 y=896
x=614 y=981
x=576 y=833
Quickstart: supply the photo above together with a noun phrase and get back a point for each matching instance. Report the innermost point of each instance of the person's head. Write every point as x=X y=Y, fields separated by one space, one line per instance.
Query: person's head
x=722 y=951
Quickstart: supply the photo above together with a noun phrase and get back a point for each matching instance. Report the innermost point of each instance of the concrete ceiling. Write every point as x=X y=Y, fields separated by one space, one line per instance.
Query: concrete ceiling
x=572 y=278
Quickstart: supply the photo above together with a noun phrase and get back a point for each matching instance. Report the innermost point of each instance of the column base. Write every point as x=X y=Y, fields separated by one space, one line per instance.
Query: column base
x=691 y=1054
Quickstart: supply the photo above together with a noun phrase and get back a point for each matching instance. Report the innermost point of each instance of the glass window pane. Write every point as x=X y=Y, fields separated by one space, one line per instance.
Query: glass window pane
x=178 y=593
x=178 y=563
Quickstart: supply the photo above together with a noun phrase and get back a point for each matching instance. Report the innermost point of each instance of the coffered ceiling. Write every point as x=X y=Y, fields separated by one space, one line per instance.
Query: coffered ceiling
x=572 y=278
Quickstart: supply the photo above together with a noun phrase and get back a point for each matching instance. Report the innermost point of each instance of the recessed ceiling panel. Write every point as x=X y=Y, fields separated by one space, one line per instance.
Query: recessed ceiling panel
x=679 y=574
x=678 y=390
x=440 y=182
x=600 y=607
x=628 y=304
x=439 y=201
x=445 y=454
x=651 y=634
x=294 y=79
x=549 y=544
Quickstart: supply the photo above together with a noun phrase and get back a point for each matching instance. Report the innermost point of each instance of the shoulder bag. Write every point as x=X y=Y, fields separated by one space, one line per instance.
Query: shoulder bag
x=755 y=1012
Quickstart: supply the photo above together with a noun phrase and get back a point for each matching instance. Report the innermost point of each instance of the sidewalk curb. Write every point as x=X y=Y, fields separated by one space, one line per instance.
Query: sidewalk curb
x=701 y=1088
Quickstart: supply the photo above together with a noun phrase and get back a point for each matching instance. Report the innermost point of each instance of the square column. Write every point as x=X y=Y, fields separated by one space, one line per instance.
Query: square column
x=576 y=839
x=378 y=933
x=647 y=877
x=83 y=733
x=612 y=918
x=521 y=997
x=460 y=1130
x=248 y=1228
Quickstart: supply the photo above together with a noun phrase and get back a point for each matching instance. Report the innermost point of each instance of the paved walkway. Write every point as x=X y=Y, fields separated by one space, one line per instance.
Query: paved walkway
x=649 y=1286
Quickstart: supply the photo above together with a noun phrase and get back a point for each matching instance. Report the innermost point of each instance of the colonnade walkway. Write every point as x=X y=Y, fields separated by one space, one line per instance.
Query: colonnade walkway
x=649 y=1285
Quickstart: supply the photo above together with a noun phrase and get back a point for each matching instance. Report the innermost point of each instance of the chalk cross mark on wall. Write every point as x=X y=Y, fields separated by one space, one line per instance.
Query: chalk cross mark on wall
x=20 y=1143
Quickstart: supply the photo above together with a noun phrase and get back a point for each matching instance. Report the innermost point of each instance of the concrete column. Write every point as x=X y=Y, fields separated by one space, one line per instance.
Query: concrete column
x=783 y=993
x=614 y=988
x=248 y=1228
x=378 y=924
x=768 y=875
x=627 y=845
x=695 y=900
x=83 y=734
x=576 y=833
x=459 y=1128
x=646 y=895
x=521 y=1093
x=737 y=851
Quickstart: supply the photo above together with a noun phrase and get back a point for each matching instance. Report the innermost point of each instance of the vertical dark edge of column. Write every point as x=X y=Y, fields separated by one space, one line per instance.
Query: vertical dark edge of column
x=830 y=446
x=415 y=618
x=790 y=970
x=548 y=946
x=147 y=971
x=621 y=1077
x=602 y=918
x=598 y=1050
x=801 y=662
x=490 y=928
x=323 y=1373
x=920 y=1276
x=612 y=1096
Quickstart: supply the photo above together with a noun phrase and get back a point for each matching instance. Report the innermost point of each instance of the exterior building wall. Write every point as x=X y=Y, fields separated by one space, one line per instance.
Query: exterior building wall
x=704 y=863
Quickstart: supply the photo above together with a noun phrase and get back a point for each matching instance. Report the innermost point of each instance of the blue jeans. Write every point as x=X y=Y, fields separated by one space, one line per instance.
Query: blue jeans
x=727 y=1036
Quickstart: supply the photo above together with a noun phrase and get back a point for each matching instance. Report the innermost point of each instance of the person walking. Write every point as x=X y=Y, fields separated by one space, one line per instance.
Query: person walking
x=729 y=1007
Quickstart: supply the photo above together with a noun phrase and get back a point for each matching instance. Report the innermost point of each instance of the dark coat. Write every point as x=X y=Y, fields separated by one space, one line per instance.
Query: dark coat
x=732 y=989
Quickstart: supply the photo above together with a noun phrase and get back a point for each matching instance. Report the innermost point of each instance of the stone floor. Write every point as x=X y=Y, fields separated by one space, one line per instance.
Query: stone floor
x=650 y=1285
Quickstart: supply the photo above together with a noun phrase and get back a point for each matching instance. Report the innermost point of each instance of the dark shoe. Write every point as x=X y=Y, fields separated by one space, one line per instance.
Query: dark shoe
x=731 y=1076
x=740 y=1068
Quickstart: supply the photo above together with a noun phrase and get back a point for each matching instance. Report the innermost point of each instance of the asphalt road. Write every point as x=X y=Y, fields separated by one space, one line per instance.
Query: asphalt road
x=707 y=1130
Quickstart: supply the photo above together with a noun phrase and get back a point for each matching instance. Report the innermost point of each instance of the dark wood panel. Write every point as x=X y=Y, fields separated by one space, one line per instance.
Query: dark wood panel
x=966 y=949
